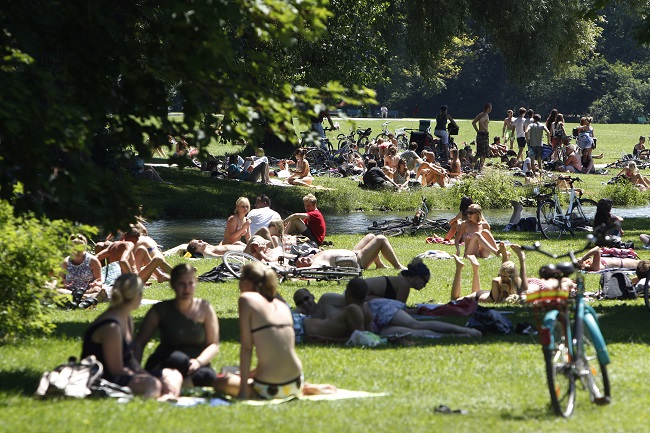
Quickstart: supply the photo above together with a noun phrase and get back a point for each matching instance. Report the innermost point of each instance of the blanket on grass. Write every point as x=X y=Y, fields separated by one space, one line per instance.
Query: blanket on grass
x=340 y=394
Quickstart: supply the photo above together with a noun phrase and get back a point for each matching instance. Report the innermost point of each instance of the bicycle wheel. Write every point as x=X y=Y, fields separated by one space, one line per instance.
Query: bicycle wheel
x=235 y=260
x=316 y=157
x=559 y=374
x=402 y=142
x=550 y=226
x=596 y=379
x=381 y=135
x=646 y=293
x=582 y=216
x=395 y=231
x=363 y=142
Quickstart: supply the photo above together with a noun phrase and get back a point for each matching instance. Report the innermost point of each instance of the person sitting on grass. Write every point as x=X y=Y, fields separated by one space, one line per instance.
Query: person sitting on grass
x=238 y=225
x=132 y=259
x=430 y=172
x=301 y=175
x=459 y=218
x=364 y=254
x=309 y=223
x=631 y=173
x=110 y=339
x=638 y=149
x=266 y=324
x=82 y=272
x=475 y=233
x=188 y=328
x=376 y=178
x=402 y=175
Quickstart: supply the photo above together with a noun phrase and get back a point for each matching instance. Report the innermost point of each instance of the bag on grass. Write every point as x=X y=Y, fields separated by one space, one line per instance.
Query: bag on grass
x=616 y=285
x=488 y=320
x=72 y=379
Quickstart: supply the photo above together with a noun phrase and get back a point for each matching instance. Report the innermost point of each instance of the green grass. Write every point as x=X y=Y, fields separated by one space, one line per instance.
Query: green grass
x=499 y=379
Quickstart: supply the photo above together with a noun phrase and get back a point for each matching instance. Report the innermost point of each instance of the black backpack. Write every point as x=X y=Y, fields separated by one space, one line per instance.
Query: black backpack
x=616 y=285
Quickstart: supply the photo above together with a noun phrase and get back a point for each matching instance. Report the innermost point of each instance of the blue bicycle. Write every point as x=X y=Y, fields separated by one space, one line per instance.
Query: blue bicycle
x=574 y=348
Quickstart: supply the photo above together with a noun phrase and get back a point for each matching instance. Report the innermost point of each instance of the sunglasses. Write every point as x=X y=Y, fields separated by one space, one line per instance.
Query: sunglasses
x=77 y=236
x=471 y=212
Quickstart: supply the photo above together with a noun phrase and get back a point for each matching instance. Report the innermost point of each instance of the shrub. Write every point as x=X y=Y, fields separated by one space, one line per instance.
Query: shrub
x=624 y=194
x=493 y=190
x=31 y=251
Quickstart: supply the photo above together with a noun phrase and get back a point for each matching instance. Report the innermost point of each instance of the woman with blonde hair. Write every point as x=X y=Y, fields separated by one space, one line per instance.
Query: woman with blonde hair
x=238 y=225
x=631 y=173
x=110 y=339
x=265 y=324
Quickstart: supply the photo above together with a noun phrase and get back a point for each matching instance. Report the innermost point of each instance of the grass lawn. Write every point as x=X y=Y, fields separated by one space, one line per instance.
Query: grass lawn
x=500 y=380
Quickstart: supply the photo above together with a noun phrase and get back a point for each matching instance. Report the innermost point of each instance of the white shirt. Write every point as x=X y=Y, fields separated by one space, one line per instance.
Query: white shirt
x=519 y=123
x=262 y=217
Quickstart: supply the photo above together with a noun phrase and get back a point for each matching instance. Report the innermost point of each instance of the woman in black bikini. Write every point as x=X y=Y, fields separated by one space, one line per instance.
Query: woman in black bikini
x=415 y=276
x=110 y=339
x=266 y=324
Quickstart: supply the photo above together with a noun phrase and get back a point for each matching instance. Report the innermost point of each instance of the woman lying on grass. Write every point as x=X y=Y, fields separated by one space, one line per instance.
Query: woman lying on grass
x=110 y=339
x=415 y=276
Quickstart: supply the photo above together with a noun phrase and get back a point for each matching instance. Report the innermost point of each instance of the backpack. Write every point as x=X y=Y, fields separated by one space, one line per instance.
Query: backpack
x=72 y=379
x=487 y=320
x=616 y=285
x=585 y=140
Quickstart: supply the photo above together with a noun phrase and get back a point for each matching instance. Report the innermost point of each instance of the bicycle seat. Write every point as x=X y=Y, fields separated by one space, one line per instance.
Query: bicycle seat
x=566 y=268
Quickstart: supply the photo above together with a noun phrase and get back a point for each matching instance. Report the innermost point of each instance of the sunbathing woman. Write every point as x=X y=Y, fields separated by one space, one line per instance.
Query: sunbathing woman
x=593 y=261
x=415 y=276
x=459 y=218
x=631 y=173
x=301 y=174
x=110 y=339
x=81 y=270
x=189 y=331
x=238 y=225
x=266 y=325
x=475 y=232
x=364 y=253
x=430 y=172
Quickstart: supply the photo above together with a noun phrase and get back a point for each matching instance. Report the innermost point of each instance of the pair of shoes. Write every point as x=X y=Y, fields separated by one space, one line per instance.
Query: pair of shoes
x=327 y=244
x=87 y=303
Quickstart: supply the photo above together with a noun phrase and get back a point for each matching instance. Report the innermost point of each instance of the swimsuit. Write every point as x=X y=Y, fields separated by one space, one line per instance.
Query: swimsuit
x=270 y=391
x=383 y=310
x=390 y=292
x=271 y=325
x=467 y=236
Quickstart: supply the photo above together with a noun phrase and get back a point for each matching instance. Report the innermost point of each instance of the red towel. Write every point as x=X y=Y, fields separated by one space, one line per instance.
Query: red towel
x=463 y=307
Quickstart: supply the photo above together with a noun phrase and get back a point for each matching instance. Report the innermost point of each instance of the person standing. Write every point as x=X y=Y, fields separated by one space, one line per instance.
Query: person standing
x=520 y=132
x=440 y=130
x=262 y=215
x=508 y=132
x=481 y=123
x=384 y=112
x=535 y=132
x=322 y=113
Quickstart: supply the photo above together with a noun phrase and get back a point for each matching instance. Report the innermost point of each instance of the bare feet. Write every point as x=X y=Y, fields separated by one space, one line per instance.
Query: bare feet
x=459 y=261
x=318 y=389
x=473 y=260
x=503 y=252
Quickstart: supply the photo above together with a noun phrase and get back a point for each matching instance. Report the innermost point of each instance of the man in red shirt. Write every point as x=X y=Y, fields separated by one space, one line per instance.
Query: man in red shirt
x=310 y=224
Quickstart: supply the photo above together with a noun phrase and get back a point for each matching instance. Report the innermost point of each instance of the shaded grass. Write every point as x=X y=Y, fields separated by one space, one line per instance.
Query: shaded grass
x=499 y=379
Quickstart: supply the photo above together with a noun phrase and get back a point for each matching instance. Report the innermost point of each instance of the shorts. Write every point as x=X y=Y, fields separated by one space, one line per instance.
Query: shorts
x=535 y=152
x=299 y=327
x=521 y=142
x=270 y=391
x=383 y=310
x=482 y=144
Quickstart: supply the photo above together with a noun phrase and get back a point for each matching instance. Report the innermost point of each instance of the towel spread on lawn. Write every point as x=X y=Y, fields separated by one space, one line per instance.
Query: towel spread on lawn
x=340 y=394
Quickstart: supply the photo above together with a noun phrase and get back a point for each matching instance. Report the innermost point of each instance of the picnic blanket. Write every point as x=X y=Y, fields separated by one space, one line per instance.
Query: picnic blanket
x=340 y=394
x=435 y=255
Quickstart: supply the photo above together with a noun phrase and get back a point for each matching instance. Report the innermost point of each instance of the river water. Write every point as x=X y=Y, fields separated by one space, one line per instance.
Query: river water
x=170 y=233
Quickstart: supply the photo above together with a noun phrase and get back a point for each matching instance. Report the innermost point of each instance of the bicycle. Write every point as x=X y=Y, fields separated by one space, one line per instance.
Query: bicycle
x=419 y=223
x=400 y=135
x=318 y=157
x=235 y=260
x=573 y=345
x=553 y=221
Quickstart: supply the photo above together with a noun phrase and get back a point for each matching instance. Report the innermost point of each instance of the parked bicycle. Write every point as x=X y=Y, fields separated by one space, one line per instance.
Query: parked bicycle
x=419 y=224
x=319 y=158
x=573 y=345
x=553 y=221
x=400 y=135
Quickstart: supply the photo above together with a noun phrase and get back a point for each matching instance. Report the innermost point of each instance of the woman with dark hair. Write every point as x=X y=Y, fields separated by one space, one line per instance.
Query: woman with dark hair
x=110 y=339
x=440 y=130
x=301 y=174
x=605 y=220
x=415 y=276
x=265 y=324
x=462 y=215
x=402 y=175
x=551 y=119
x=189 y=331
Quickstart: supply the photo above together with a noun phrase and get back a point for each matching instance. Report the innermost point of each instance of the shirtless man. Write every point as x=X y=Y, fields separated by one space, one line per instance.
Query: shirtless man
x=365 y=253
x=133 y=259
x=328 y=305
x=480 y=124
x=354 y=316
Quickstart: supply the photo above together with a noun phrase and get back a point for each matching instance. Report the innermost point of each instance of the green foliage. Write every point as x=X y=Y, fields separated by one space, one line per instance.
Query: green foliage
x=30 y=257
x=625 y=194
x=493 y=190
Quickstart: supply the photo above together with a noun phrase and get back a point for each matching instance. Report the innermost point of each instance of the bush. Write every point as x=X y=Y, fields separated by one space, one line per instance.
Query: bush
x=493 y=190
x=624 y=194
x=30 y=256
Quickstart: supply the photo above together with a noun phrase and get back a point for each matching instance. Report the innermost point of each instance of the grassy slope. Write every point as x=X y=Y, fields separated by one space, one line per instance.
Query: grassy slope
x=499 y=379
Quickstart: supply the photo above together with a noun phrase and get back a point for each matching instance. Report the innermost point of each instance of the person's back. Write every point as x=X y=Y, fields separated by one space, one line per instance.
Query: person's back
x=536 y=134
x=261 y=217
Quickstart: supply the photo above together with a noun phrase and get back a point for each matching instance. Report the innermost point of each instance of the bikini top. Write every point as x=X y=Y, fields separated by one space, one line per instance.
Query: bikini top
x=271 y=325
